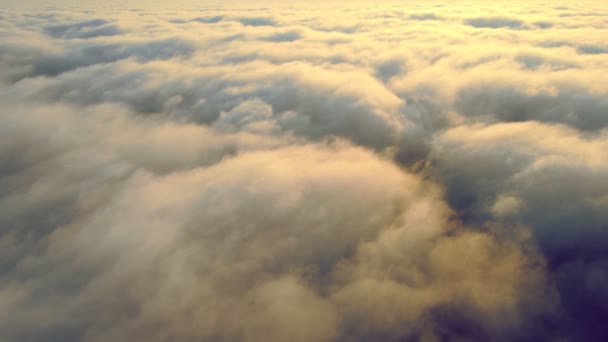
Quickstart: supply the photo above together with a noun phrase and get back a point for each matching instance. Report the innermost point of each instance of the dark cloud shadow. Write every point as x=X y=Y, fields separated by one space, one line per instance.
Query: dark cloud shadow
x=576 y=108
x=562 y=202
x=88 y=54
x=496 y=22
x=204 y=20
x=592 y=49
x=256 y=21
x=424 y=16
x=534 y=62
x=288 y=36
x=84 y=30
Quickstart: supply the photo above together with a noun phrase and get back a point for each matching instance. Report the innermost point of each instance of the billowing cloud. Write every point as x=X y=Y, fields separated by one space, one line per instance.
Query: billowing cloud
x=577 y=108
x=549 y=178
x=330 y=236
x=338 y=172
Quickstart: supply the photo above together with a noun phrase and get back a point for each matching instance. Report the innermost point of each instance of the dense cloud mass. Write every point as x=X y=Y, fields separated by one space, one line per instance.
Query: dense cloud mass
x=417 y=171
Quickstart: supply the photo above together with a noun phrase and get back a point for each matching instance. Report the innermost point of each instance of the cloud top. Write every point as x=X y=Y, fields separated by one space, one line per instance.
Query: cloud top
x=337 y=172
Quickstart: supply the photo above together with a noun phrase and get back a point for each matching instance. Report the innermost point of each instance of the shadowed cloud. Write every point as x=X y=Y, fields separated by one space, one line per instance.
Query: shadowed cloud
x=495 y=22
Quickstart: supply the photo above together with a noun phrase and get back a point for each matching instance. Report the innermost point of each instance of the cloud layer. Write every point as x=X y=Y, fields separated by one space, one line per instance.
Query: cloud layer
x=345 y=172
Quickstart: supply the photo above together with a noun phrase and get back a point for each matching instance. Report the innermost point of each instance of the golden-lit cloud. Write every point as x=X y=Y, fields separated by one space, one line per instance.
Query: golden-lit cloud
x=312 y=172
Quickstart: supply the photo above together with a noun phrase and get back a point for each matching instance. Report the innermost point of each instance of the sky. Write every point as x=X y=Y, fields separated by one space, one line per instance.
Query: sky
x=271 y=171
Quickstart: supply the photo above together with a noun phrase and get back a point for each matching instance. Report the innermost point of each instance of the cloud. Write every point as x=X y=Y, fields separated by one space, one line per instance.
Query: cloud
x=253 y=234
x=46 y=63
x=256 y=21
x=517 y=173
x=396 y=66
x=365 y=117
x=544 y=24
x=215 y=173
x=532 y=61
x=576 y=108
x=592 y=49
x=204 y=20
x=288 y=36
x=495 y=22
x=86 y=29
x=423 y=16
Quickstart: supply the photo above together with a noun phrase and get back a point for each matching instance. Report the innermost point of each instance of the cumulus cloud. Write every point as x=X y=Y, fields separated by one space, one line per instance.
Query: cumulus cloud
x=547 y=177
x=303 y=235
x=339 y=172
